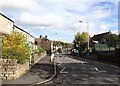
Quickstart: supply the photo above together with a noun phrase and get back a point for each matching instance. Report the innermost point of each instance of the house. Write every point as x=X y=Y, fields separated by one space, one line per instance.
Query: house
x=100 y=38
x=97 y=42
x=29 y=38
x=45 y=43
x=6 y=25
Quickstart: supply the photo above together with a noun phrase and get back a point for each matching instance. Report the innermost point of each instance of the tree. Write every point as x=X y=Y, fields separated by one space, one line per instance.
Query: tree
x=111 y=40
x=56 y=43
x=81 y=40
x=14 y=46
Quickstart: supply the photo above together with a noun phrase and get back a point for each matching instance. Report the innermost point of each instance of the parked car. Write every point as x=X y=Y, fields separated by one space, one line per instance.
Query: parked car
x=75 y=51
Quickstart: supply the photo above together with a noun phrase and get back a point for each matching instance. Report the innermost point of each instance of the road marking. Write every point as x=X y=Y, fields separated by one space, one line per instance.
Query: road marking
x=96 y=69
x=59 y=63
x=82 y=63
x=63 y=70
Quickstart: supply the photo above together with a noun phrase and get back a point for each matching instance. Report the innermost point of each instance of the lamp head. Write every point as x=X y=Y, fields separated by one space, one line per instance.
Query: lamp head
x=80 y=21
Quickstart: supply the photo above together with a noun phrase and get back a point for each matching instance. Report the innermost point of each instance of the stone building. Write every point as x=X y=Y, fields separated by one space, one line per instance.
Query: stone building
x=6 y=25
x=29 y=38
x=45 y=43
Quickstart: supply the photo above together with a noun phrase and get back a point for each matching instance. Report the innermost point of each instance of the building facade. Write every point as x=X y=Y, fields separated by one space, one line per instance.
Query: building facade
x=6 y=24
x=29 y=38
x=45 y=44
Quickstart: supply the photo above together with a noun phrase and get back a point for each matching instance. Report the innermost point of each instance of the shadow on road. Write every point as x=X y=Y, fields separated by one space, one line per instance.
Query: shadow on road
x=42 y=69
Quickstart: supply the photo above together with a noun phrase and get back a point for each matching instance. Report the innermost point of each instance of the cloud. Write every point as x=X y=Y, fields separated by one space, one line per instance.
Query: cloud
x=61 y=16
x=19 y=4
x=48 y=20
x=115 y=32
x=99 y=13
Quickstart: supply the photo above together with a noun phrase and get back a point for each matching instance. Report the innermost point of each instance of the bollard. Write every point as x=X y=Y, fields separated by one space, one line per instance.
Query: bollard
x=52 y=57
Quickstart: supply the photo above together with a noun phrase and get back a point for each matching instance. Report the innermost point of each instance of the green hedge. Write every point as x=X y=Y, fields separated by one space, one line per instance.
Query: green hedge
x=39 y=51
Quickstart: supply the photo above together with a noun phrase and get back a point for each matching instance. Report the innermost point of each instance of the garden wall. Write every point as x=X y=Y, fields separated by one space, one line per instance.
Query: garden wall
x=110 y=56
x=38 y=57
x=12 y=70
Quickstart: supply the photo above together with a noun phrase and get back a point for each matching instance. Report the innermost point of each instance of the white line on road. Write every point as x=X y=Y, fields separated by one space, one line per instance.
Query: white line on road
x=63 y=70
x=82 y=63
x=96 y=69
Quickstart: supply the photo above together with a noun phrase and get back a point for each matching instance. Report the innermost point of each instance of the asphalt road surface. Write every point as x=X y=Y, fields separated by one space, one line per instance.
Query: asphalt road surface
x=73 y=70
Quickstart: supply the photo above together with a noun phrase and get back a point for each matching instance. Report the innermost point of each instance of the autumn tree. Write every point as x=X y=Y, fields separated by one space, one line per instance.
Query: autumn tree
x=14 y=46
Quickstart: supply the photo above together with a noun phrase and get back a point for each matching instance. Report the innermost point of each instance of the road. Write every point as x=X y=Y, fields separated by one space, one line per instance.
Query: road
x=73 y=70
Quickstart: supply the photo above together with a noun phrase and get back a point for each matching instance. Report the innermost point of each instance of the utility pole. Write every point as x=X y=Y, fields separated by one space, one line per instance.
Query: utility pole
x=88 y=35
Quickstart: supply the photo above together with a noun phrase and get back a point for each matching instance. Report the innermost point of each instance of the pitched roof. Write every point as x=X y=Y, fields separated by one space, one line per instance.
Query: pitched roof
x=98 y=37
x=23 y=30
x=6 y=17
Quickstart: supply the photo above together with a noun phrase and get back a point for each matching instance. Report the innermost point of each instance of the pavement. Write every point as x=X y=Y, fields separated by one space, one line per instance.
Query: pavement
x=38 y=73
x=72 y=70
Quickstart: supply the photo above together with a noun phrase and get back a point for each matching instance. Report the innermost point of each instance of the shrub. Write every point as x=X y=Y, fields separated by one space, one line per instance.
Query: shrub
x=40 y=50
x=59 y=50
x=14 y=46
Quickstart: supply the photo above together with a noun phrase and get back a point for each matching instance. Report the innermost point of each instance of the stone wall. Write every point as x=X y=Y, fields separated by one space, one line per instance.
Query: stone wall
x=12 y=70
x=37 y=58
x=0 y=71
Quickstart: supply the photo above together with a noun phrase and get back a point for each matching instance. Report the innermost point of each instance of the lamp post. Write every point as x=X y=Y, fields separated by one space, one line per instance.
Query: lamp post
x=88 y=34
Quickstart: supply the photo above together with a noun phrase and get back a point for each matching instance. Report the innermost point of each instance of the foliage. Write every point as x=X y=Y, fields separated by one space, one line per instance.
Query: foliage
x=119 y=35
x=60 y=43
x=59 y=50
x=14 y=46
x=40 y=50
x=81 y=40
x=56 y=43
x=111 y=40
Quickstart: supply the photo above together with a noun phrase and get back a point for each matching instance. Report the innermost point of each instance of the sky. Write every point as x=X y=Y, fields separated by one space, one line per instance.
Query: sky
x=59 y=19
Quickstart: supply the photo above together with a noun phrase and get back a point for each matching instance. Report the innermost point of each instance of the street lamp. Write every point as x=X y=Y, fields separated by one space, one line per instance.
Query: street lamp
x=88 y=34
